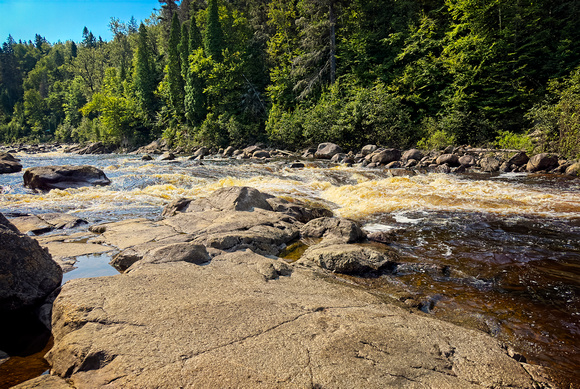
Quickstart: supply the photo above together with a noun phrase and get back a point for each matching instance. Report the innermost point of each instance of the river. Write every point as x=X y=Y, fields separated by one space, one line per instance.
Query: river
x=500 y=253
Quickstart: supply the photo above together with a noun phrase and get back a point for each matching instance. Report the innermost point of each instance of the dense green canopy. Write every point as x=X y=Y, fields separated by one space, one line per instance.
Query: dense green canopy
x=296 y=72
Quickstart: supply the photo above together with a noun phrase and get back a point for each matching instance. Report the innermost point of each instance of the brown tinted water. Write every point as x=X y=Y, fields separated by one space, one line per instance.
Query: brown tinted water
x=497 y=253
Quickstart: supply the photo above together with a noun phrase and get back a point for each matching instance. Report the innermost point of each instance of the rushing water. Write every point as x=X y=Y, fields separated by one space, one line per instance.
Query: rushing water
x=496 y=252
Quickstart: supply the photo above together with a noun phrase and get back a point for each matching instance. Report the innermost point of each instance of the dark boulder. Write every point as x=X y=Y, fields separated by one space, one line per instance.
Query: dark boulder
x=573 y=170
x=450 y=159
x=542 y=161
x=489 y=164
x=327 y=150
x=27 y=272
x=467 y=160
x=412 y=154
x=384 y=157
x=520 y=159
x=9 y=164
x=63 y=177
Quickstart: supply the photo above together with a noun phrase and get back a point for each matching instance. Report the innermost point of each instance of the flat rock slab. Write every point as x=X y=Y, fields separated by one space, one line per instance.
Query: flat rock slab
x=230 y=325
x=41 y=223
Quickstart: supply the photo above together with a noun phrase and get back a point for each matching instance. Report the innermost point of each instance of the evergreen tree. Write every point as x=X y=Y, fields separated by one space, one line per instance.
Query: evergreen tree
x=173 y=70
x=214 y=35
x=195 y=100
x=144 y=76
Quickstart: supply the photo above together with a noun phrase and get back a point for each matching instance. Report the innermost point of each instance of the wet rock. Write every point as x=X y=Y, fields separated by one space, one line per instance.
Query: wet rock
x=202 y=152
x=467 y=160
x=573 y=170
x=156 y=147
x=229 y=151
x=327 y=150
x=345 y=258
x=368 y=149
x=520 y=159
x=298 y=211
x=337 y=158
x=489 y=164
x=384 y=157
x=261 y=154
x=27 y=272
x=9 y=164
x=412 y=154
x=345 y=230
x=147 y=157
x=94 y=148
x=167 y=157
x=38 y=224
x=296 y=165
x=542 y=161
x=451 y=160
x=385 y=237
x=393 y=165
x=443 y=169
x=63 y=177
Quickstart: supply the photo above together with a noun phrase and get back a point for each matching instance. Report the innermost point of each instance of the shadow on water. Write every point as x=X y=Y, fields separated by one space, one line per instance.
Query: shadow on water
x=27 y=340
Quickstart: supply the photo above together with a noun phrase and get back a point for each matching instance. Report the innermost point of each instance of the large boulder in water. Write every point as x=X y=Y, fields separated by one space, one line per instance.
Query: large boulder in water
x=9 y=164
x=63 y=177
x=27 y=272
x=542 y=161
x=327 y=150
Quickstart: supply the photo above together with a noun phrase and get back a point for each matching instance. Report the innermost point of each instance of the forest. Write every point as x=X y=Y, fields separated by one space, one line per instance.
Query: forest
x=293 y=73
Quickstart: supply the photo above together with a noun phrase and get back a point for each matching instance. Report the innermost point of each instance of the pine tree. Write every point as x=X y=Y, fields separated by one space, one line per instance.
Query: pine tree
x=195 y=100
x=173 y=70
x=214 y=35
x=144 y=76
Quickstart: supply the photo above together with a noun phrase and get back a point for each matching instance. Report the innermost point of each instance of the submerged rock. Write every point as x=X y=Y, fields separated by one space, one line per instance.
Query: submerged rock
x=63 y=177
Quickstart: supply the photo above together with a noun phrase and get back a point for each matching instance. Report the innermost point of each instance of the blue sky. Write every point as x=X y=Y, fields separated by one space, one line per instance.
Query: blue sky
x=63 y=20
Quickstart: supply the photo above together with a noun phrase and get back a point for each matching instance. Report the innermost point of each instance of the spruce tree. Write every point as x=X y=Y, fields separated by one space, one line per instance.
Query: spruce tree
x=184 y=50
x=173 y=70
x=195 y=101
x=214 y=35
x=144 y=77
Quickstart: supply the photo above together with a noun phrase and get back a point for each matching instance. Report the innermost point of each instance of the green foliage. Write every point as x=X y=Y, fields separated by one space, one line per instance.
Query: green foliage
x=173 y=76
x=214 y=35
x=511 y=141
x=436 y=138
x=556 y=121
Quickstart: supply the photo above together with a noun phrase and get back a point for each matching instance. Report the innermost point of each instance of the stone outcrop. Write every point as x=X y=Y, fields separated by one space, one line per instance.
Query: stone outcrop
x=27 y=272
x=63 y=177
x=344 y=230
x=9 y=164
x=346 y=258
x=45 y=222
x=246 y=320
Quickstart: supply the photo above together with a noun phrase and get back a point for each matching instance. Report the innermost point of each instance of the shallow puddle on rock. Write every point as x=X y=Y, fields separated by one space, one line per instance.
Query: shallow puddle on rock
x=94 y=265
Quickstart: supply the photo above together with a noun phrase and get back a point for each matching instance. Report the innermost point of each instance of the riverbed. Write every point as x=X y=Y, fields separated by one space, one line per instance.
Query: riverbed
x=500 y=253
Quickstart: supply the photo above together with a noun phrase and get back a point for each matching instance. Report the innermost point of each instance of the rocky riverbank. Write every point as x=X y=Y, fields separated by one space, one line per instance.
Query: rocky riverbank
x=461 y=159
x=205 y=300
